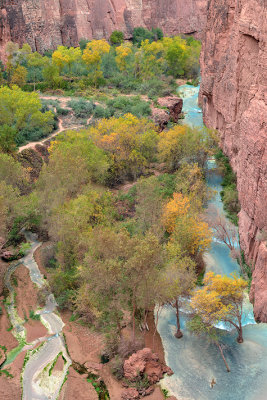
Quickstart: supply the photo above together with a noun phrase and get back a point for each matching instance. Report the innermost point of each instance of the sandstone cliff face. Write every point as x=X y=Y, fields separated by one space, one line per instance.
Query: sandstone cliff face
x=45 y=24
x=234 y=98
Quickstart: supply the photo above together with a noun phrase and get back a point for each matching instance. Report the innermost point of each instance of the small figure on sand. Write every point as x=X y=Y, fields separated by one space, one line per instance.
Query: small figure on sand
x=212 y=383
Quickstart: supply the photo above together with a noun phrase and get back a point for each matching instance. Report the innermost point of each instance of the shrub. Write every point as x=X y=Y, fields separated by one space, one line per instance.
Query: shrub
x=83 y=43
x=116 y=37
x=140 y=34
x=34 y=316
x=82 y=108
x=102 y=112
x=117 y=367
x=229 y=194
x=62 y=111
x=124 y=105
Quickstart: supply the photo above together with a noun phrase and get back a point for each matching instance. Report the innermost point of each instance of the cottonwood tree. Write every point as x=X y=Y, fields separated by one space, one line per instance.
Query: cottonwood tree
x=92 y=57
x=178 y=279
x=221 y=299
x=186 y=227
x=185 y=144
x=141 y=271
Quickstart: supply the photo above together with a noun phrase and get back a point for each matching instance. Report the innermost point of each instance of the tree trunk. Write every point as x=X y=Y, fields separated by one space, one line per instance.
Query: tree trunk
x=240 y=335
x=133 y=322
x=179 y=333
x=225 y=362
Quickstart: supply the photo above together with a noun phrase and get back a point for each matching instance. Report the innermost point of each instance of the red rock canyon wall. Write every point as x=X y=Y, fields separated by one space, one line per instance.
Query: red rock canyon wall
x=45 y=24
x=234 y=98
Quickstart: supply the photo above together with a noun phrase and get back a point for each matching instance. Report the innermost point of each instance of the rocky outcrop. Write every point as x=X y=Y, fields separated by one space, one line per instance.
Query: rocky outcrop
x=45 y=24
x=145 y=362
x=171 y=111
x=234 y=99
x=174 y=105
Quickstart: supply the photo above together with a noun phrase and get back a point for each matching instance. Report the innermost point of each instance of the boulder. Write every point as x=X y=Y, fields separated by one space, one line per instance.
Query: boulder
x=145 y=362
x=174 y=105
x=8 y=255
x=160 y=117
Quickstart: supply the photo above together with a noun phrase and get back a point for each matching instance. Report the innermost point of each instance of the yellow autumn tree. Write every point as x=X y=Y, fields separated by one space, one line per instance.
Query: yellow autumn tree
x=18 y=76
x=185 y=144
x=92 y=57
x=178 y=206
x=149 y=59
x=122 y=55
x=221 y=300
x=185 y=226
x=66 y=56
x=189 y=180
x=130 y=143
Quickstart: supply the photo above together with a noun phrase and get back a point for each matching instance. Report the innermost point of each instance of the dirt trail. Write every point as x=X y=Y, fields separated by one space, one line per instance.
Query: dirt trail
x=63 y=103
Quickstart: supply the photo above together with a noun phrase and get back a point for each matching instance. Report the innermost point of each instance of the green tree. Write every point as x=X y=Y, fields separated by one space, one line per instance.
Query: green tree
x=117 y=37
x=178 y=279
x=185 y=144
x=129 y=142
x=35 y=62
x=7 y=139
x=51 y=76
x=140 y=34
x=73 y=163
x=92 y=57
x=20 y=110
x=177 y=55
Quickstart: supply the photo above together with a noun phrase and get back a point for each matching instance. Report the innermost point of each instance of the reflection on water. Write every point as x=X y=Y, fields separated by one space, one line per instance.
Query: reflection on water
x=195 y=361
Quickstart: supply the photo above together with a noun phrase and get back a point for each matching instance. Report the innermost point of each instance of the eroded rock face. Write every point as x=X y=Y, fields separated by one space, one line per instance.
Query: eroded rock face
x=45 y=24
x=234 y=98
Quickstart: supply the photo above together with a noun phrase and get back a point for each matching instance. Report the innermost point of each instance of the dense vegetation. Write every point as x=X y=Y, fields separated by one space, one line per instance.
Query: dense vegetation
x=124 y=65
x=115 y=254
x=147 y=66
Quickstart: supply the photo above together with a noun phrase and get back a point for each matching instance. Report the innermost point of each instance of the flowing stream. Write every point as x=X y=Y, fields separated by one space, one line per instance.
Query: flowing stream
x=195 y=361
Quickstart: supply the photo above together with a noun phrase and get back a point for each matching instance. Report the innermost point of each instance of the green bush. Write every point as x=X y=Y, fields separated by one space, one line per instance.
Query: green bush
x=62 y=111
x=229 y=194
x=117 y=37
x=126 y=83
x=82 y=43
x=34 y=316
x=140 y=34
x=123 y=105
x=82 y=108
x=102 y=112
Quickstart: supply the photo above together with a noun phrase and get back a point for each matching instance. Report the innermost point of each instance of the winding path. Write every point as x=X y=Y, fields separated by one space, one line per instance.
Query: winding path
x=63 y=103
x=37 y=383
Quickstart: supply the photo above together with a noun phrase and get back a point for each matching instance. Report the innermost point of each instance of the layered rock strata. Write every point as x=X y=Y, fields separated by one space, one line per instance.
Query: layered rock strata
x=234 y=99
x=45 y=24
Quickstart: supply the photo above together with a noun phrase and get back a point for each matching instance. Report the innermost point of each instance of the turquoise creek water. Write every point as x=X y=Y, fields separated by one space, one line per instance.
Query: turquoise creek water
x=195 y=361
